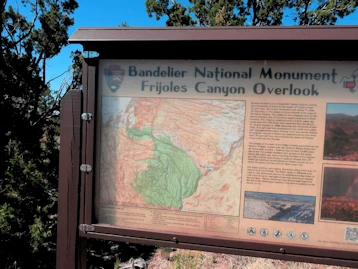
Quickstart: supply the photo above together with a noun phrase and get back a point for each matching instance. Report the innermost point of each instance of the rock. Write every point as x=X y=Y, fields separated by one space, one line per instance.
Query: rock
x=140 y=263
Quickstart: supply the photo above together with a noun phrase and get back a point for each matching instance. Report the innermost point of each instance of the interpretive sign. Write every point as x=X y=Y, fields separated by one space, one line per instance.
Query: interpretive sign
x=263 y=150
x=241 y=151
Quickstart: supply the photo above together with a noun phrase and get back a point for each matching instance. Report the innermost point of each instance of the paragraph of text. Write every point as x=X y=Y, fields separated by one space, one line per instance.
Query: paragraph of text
x=281 y=154
x=273 y=121
x=260 y=175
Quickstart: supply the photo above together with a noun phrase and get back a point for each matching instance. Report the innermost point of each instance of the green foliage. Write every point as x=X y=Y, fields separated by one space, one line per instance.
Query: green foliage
x=177 y=13
x=321 y=12
x=268 y=12
x=219 y=13
x=29 y=130
x=251 y=12
x=124 y=24
x=76 y=67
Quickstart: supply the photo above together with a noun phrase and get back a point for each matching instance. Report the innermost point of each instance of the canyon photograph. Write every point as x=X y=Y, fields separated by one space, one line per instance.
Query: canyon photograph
x=340 y=194
x=341 y=132
x=279 y=207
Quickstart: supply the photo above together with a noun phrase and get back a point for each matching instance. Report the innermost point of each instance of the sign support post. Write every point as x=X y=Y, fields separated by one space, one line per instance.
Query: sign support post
x=71 y=249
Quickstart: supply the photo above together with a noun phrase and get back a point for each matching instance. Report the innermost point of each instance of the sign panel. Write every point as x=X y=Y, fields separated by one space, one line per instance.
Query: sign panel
x=230 y=149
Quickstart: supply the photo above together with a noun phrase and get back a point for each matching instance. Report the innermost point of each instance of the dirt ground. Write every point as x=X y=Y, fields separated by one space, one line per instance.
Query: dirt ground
x=189 y=259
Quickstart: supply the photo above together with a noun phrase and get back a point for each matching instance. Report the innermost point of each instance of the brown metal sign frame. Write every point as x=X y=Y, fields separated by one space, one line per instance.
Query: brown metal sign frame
x=76 y=220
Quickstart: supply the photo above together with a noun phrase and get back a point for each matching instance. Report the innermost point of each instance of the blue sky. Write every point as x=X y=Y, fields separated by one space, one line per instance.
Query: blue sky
x=348 y=109
x=92 y=13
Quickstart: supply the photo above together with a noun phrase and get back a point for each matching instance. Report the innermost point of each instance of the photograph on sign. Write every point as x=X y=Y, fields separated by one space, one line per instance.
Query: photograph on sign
x=239 y=150
x=279 y=207
x=340 y=194
x=341 y=135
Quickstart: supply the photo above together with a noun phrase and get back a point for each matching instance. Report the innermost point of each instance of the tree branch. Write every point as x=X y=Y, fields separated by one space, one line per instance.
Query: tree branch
x=57 y=99
x=305 y=18
x=44 y=69
x=39 y=59
x=12 y=38
x=314 y=19
x=32 y=25
x=52 y=79
x=254 y=11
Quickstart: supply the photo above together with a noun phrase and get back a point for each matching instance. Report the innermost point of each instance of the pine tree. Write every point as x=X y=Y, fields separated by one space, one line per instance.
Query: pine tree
x=29 y=130
x=251 y=12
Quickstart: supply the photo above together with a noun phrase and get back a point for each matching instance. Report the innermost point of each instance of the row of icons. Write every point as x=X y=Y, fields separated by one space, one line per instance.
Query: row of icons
x=277 y=233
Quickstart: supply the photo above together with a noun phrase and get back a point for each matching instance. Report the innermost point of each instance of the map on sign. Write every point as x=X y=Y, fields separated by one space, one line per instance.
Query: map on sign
x=176 y=154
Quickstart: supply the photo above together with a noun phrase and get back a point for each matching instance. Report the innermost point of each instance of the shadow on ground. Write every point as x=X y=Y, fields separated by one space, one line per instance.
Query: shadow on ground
x=104 y=254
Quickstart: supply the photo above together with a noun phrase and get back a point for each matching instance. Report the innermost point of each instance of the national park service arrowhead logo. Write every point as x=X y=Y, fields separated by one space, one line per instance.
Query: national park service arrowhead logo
x=114 y=75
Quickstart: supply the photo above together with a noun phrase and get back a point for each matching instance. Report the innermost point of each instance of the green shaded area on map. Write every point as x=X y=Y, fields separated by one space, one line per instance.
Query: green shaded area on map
x=171 y=175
